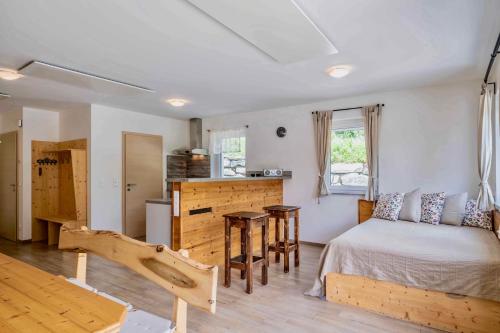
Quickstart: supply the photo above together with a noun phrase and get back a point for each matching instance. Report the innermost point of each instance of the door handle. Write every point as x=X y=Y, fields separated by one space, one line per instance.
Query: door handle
x=13 y=187
x=129 y=186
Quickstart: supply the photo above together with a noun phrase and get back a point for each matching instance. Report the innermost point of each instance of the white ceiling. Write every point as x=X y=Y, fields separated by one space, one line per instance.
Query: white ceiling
x=175 y=49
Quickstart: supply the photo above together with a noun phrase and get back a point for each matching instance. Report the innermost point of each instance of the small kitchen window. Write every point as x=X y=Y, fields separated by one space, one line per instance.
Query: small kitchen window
x=228 y=150
x=233 y=157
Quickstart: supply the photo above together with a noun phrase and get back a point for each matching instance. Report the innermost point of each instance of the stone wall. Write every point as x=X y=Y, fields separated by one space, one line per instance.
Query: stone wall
x=234 y=167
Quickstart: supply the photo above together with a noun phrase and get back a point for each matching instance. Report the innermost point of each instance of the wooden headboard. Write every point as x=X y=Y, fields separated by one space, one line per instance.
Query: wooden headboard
x=365 y=210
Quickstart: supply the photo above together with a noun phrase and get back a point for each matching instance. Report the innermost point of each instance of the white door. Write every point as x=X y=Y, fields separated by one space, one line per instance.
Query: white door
x=143 y=173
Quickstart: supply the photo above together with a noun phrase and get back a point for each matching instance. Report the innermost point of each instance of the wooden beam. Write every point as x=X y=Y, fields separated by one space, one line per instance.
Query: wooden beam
x=81 y=267
x=179 y=315
x=451 y=313
x=185 y=278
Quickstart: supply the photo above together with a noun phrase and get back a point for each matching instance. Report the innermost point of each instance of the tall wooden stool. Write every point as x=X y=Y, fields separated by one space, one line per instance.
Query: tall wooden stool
x=246 y=221
x=279 y=212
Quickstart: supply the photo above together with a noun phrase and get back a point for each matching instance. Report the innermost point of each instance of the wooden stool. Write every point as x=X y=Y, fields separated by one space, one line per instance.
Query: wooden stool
x=246 y=221
x=285 y=212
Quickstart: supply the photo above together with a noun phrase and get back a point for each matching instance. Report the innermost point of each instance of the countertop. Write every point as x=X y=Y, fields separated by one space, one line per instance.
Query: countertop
x=159 y=201
x=225 y=179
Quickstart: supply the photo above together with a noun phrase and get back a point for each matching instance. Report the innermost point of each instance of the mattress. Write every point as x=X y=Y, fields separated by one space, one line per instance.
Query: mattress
x=459 y=260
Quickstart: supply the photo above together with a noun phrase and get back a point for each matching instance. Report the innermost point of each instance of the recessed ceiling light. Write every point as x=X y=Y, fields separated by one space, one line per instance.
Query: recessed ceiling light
x=339 y=71
x=9 y=74
x=177 y=102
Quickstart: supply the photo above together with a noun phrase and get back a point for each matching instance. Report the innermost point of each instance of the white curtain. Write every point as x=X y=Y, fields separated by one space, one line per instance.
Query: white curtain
x=485 y=199
x=217 y=138
x=371 y=121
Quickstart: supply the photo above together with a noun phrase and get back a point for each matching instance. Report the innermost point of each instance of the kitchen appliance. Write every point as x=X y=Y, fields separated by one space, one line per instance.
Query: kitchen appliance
x=195 y=139
x=272 y=172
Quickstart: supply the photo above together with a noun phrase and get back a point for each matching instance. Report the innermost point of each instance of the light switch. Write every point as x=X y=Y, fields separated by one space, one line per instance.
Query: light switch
x=115 y=182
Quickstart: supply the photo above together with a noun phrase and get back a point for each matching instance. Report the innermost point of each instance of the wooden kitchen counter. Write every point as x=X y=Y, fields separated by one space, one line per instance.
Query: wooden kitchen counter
x=198 y=206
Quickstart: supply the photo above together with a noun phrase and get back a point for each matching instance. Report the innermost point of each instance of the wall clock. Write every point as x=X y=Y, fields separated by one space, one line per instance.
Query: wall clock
x=281 y=132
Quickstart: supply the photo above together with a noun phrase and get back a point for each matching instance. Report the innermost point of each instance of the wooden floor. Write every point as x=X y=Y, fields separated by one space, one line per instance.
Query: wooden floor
x=278 y=307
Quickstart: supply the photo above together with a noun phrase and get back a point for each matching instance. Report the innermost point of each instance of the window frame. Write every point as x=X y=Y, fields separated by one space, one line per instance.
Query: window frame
x=338 y=125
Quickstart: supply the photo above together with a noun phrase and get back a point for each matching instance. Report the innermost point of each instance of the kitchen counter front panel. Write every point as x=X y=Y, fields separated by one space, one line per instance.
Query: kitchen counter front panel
x=199 y=226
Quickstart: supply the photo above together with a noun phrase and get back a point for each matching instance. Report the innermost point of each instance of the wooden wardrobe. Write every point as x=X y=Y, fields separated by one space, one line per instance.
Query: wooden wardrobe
x=59 y=187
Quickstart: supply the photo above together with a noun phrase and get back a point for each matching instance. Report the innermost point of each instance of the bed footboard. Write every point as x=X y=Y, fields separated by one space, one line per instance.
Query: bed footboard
x=451 y=313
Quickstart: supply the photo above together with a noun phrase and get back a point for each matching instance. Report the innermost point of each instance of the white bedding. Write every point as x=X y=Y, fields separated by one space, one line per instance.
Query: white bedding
x=460 y=260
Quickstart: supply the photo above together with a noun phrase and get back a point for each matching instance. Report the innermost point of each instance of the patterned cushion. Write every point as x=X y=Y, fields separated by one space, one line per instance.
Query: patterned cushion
x=388 y=206
x=475 y=217
x=432 y=207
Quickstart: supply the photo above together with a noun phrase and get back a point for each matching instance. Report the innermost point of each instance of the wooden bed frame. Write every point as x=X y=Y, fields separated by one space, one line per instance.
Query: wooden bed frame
x=189 y=281
x=436 y=309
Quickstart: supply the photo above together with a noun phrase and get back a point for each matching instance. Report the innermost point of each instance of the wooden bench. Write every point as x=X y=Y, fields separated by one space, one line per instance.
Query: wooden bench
x=189 y=281
x=54 y=224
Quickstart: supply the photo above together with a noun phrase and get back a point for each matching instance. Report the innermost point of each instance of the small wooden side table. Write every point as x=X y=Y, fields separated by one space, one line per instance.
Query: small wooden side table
x=246 y=221
x=279 y=212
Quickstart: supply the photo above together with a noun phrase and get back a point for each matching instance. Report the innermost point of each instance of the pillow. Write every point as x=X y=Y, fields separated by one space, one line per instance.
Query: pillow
x=432 y=207
x=388 y=206
x=454 y=209
x=475 y=217
x=411 y=208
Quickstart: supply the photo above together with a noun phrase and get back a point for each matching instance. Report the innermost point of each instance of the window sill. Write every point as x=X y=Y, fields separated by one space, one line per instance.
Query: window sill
x=347 y=191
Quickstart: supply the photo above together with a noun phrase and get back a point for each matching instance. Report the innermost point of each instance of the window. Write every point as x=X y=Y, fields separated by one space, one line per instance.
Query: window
x=233 y=157
x=348 y=168
x=228 y=151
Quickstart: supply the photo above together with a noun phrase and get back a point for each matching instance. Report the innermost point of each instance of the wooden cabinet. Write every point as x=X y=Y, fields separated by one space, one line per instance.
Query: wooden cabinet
x=365 y=210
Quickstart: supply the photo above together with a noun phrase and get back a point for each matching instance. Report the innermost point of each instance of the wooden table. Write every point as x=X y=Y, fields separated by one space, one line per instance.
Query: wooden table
x=32 y=300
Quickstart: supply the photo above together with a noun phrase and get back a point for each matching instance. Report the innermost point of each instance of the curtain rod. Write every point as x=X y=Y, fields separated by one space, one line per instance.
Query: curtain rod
x=345 y=109
x=490 y=65
x=246 y=126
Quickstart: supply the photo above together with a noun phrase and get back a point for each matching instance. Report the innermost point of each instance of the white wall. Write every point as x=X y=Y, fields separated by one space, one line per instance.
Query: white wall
x=428 y=139
x=107 y=126
x=74 y=124
x=37 y=125
x=9 y=118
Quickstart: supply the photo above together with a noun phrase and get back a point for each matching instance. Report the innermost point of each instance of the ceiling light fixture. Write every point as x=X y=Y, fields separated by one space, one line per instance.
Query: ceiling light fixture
x=339 y=71
x=9 y=74
x=177 y=102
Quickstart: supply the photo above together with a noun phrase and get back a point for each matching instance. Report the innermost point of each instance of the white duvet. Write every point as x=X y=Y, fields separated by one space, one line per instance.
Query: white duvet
x=460 y=260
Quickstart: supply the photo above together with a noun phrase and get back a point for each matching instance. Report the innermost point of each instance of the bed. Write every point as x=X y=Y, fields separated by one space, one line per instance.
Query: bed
x=441 y=276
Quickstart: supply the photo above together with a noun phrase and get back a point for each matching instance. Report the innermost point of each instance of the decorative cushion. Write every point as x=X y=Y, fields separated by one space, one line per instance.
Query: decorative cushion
x=454 y=209
x=475 y=217
x=412 y=206
x=432 y=207
x=388 y=206
x=138 y=321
